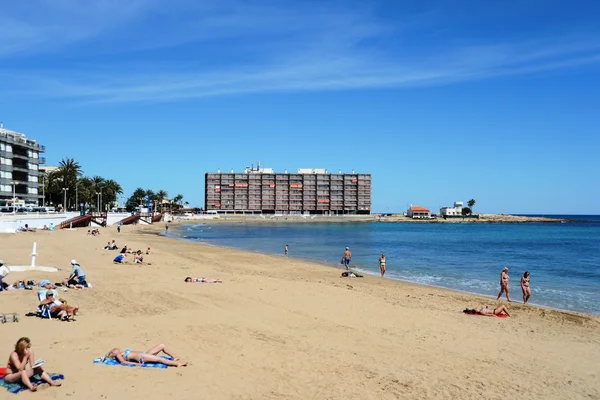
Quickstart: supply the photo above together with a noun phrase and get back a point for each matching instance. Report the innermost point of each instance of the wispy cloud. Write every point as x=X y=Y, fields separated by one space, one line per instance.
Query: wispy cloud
x=233 y=47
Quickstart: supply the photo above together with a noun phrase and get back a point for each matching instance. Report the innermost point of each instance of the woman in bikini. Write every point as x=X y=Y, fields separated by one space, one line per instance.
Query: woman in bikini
x=382 y=264
x=20 y=366
x=132 y=357
x=486 y=310
x=504 y=278
x=525 y=287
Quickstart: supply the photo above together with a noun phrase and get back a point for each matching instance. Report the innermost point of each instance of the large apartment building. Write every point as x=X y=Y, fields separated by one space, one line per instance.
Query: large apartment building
x=20 y=160
x=313 y=191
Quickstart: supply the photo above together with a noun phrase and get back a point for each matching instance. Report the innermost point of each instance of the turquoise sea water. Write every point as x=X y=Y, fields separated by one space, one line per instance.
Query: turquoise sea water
x=563 y=258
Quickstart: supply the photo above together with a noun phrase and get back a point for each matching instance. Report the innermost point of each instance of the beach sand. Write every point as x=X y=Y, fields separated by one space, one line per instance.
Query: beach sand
x=280 y=328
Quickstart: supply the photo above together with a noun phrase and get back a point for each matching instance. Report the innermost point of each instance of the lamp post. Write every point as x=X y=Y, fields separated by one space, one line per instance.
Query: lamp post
x=98 y=201
x=76 y=196
x=65 y=199
x=44 y=190
x=14 y=185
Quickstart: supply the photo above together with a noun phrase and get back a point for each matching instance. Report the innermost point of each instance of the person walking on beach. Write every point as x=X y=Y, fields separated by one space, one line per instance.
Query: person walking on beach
x=286 y=250
x=525 y=287
x=382 y=264
x=346 y=258
x=504 y=278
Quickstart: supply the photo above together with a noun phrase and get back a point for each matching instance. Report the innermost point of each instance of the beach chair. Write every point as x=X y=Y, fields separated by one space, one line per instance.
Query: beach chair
x=44 y=311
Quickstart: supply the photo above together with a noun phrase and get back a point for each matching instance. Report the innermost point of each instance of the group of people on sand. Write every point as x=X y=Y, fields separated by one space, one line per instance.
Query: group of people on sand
x=75 y=280
x=22 y=365
x=138 y=256
x=525 y=285
x=93 y=232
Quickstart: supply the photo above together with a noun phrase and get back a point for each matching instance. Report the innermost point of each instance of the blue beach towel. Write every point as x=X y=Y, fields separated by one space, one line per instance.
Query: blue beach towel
x=36 y=380
x=110 y=361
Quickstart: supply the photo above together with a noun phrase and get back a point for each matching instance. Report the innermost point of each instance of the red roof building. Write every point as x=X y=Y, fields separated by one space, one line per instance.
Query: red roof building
x=418 y=212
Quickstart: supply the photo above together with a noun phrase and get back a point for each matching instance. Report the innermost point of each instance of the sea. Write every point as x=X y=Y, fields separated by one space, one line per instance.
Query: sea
x=562 y=258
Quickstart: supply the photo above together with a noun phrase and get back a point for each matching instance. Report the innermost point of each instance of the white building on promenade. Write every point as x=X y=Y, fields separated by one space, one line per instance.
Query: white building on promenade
x=455 y=211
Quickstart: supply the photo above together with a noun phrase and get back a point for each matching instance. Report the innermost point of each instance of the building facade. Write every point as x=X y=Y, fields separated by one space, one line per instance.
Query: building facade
x=20 y=160
x=309 y=191
x=418 y=212
x=455 y=211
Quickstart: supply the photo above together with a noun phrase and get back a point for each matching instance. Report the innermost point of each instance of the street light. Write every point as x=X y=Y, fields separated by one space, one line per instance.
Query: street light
x=65 y=199
x=76 y=197
x=98 y=194
x=44 y=189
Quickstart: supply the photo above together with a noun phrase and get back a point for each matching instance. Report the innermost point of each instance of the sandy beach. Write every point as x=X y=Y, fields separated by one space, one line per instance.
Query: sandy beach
x=280 y=328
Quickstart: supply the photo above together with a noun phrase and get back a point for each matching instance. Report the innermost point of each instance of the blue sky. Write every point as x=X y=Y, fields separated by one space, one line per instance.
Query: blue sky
x=440 y=100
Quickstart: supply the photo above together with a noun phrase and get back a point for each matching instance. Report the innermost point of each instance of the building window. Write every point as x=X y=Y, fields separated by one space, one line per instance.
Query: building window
x=2 y=147
x=32 y=191
x=33 y=178
x=6 y=174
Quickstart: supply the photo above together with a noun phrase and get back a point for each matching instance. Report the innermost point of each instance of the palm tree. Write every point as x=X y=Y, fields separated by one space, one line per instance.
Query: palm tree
x=67 y=174
x=177 y=200
x=471 y=203
x=111 y=189
x=161 y=195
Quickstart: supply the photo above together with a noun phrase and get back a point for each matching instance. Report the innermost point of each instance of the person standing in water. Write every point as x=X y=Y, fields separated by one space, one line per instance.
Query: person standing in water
x=504 y=278
x=346 y=258
x=382 y=264
x=525 y=287
x=286 y=250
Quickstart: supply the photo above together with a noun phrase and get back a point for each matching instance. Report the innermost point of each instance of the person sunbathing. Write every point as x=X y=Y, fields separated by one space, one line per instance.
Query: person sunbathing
x=350 y=274
x=490 y=312
x=56 y=306
x=201 y=280
x=17 y=367
x=131 y=357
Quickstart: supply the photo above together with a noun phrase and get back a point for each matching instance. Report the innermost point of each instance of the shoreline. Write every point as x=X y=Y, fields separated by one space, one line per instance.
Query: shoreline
x=382 y=218
x=358 y=269
x=283 y=328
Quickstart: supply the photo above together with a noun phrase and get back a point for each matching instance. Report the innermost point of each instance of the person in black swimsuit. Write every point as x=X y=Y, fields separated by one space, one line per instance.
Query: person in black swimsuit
x=525 y=287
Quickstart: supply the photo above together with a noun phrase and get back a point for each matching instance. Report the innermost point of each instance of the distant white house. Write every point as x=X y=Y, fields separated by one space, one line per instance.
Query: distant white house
x=455 y=211
x=418 y=212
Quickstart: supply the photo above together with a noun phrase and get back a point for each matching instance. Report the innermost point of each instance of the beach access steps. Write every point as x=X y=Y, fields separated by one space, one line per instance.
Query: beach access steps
x=158 y=217
x=82 y=221
x=79 y=221
x=132 y=219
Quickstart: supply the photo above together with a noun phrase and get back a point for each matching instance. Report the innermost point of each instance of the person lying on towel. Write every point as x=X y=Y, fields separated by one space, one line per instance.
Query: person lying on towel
x=350 y=274
x=488 y=311
x=201 y=280
x=132 y=357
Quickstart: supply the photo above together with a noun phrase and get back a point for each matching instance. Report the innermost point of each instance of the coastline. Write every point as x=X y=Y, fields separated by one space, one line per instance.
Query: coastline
x=358 y=269
x=396 y=218
x=286 y=328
